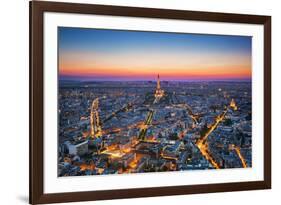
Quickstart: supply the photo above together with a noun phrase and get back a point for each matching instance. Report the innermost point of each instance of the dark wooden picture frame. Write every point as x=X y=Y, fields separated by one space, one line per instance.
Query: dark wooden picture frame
x=37 y=9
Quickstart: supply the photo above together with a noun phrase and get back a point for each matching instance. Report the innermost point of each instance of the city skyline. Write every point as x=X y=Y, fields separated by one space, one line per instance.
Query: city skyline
x=106 y=129
x=115 y=55
x=136 y=102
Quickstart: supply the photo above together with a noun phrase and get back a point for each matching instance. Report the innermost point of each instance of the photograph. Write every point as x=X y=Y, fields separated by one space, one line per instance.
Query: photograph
x=135 y=102
x=131 y=101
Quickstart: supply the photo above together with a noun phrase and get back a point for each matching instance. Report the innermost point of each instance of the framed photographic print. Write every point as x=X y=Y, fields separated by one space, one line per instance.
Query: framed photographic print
x=139 y=102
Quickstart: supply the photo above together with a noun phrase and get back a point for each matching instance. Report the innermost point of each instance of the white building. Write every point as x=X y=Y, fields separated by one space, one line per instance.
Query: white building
x=77 y=149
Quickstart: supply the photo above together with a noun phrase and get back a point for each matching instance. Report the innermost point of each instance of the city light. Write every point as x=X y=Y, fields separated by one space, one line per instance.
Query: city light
x=160 y=132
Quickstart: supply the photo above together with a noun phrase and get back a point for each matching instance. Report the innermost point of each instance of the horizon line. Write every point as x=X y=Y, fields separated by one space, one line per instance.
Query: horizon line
x=194 y=80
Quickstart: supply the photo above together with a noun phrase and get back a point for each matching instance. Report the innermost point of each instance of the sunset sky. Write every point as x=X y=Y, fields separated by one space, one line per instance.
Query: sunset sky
x=114 y=55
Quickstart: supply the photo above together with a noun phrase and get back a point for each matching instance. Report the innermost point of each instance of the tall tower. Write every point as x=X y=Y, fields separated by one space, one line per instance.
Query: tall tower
x=158 y=92
x=158 y=83
x=95 y=119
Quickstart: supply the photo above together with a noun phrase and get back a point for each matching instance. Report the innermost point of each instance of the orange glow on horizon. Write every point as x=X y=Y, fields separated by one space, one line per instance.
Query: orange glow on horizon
x=173 y=73
x=141 y=65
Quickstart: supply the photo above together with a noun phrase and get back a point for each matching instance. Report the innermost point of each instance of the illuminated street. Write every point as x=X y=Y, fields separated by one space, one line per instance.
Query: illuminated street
x=202 y=142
